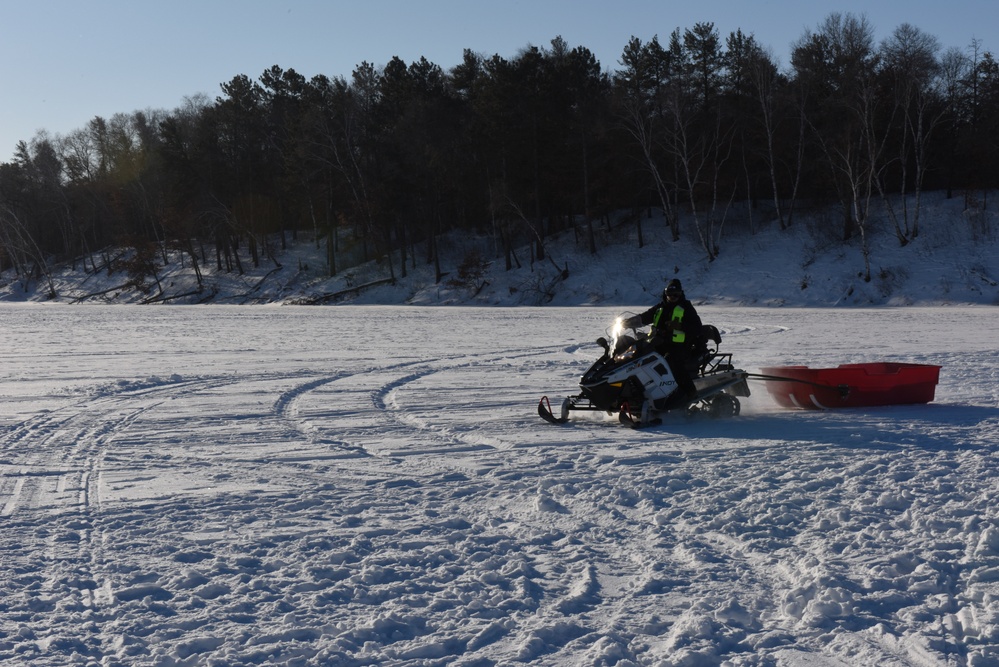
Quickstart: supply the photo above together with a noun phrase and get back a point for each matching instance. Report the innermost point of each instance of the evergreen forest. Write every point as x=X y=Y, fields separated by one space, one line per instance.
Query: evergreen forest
x=385 y=162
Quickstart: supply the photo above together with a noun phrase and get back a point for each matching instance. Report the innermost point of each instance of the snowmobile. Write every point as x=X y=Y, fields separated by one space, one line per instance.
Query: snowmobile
x=634 y=380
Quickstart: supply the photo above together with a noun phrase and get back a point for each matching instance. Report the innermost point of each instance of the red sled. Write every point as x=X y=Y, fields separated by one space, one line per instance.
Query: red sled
x=851 y=385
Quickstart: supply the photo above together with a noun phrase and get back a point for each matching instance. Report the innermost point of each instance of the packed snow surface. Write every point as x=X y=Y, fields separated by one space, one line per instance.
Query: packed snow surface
x=372 y=486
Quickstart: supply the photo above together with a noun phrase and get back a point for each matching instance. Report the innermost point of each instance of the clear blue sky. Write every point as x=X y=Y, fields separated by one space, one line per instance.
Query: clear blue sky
x=66 y=61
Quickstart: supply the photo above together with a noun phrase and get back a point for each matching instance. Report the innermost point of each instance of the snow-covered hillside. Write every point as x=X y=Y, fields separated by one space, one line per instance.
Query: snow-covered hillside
x=295 y=486
x=955 y=260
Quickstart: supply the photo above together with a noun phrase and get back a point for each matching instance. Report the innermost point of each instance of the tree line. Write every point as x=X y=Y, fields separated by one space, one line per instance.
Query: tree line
x=385 y=162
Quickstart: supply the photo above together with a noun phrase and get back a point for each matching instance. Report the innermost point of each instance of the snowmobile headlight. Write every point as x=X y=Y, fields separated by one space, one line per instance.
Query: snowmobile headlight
x=626 y=355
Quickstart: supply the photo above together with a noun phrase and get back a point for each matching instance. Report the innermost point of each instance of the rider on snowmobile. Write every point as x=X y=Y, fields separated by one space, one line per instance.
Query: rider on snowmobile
x=676 y=328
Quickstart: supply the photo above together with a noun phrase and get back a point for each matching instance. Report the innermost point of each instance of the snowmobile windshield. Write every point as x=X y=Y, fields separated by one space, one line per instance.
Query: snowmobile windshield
x=621 y=338
x=615 y=331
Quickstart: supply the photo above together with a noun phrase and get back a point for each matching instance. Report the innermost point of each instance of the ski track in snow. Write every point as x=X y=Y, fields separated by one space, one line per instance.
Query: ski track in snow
x=286 y=490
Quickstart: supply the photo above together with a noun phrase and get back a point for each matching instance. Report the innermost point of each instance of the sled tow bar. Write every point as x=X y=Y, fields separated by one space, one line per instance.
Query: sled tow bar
x=843 y=389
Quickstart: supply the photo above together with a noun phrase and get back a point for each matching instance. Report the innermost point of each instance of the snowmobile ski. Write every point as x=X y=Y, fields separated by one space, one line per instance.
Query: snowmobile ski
x=545 y=410
x=643 y=420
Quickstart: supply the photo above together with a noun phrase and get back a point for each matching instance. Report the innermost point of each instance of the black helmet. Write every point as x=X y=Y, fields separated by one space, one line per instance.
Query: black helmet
x=673 y=288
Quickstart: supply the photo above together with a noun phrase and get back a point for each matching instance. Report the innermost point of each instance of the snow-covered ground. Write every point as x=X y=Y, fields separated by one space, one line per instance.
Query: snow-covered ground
x=221 y=485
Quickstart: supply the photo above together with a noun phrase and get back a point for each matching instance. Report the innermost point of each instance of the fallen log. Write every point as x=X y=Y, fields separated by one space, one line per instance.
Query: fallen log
x=333 y=296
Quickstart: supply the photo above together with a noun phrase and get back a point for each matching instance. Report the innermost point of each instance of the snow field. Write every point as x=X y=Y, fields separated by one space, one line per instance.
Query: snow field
x=371 y=485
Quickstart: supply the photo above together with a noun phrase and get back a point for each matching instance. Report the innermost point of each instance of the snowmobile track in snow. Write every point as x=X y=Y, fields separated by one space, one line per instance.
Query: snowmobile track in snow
x=276 y=499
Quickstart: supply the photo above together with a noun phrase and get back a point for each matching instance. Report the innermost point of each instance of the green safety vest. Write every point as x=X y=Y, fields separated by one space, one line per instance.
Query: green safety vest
x=676 y=317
